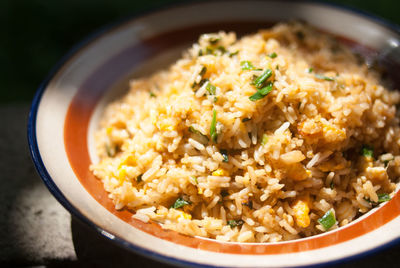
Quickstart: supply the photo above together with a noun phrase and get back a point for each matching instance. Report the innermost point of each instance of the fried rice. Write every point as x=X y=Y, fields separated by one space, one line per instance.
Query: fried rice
x=279 y=135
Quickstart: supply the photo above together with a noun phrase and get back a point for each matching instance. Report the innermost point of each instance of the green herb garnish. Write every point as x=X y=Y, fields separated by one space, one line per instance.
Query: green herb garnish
x=367 y=151
x=231 y=54
x=110 y=150
x=152 y=95
x=224 y=155
x=213 y=128
x=310 y=70
x=272 y=55
x=247 y=65
x=264 y=139
x=139 y=178
x=211 y=88
x=259 y=81
x=202 y=81
x=214 y=40
x=383 y=198
x=386 y=162
x=212 y=50
x=203 y=71
x=246 y=119
x=261 y=93
x=180 y=202
x=222 y=49
x=234 y=223
x=323 y=77
x=328 y=220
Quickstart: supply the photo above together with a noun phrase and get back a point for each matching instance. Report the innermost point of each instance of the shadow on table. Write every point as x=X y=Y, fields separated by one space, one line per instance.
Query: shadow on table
x=94 y=250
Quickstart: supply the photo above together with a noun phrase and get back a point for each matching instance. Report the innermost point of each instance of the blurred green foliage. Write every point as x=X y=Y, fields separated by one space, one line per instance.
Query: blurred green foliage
x=37 y=33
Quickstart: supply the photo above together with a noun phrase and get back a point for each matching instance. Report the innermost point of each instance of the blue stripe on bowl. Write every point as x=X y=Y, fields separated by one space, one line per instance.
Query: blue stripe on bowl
x=41 y=169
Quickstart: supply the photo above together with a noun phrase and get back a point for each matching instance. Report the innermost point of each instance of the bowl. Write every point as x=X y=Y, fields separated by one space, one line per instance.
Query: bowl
x=67 y=106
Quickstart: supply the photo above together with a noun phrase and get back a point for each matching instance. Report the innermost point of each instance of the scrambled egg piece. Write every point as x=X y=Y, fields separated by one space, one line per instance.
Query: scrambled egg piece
x=301 y=211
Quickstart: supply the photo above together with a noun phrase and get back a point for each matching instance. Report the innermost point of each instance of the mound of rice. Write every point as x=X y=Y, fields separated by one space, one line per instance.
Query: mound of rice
x=279 y=135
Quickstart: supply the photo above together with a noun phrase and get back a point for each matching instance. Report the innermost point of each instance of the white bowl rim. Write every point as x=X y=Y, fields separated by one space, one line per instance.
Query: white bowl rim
x=91 y=38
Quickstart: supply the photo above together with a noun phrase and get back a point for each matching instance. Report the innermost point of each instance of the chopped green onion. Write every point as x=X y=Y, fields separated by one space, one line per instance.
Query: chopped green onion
x=195 y=131
x=264 y=139
x=214 y=40
x=272 y=55
x=231 y=54
x=152 y=95
x=386 y=162
x=259 y=81
x=246 y=119
x=213 y=128
x=180 y=202
x=261 y=93
x=323 y=77
x=203 y=71
x=211 y=88
x=310 y=70
x=222 y=49
x=328 y=220
x=367 y=151
x=234 y=223
x=212 y=50
x=256 y=96
x=383 y=197
x=202 y=81
x=139 y=178
x=110 y=150
x=247 y=65
x=209 y=50
x=332 y=185
x=224 y=155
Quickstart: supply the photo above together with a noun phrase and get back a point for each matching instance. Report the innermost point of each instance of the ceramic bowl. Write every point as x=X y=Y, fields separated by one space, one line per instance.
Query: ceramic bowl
x=66 y=110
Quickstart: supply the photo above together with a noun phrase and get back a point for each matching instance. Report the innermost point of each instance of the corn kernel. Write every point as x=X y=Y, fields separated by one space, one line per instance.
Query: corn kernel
x=220 y=172
x=121 y=173
x=109 y=130
x=200 y=191
x=130 y=160
x=185 y=216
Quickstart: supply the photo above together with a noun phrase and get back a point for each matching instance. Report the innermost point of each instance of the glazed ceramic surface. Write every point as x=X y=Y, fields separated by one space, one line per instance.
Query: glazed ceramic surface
x=67 y=108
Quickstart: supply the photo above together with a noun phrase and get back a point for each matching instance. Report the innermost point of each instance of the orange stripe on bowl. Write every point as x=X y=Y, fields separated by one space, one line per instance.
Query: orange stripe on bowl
x=75 y=139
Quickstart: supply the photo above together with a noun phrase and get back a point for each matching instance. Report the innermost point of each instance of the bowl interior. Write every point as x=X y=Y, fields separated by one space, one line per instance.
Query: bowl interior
x=73 y=101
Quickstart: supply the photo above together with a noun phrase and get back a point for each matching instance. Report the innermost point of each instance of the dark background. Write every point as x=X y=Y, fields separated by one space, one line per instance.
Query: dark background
x=35 y=34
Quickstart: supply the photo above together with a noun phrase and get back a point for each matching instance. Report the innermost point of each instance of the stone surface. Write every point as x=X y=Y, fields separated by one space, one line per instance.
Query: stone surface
x=36 y=230
x=34 y=226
